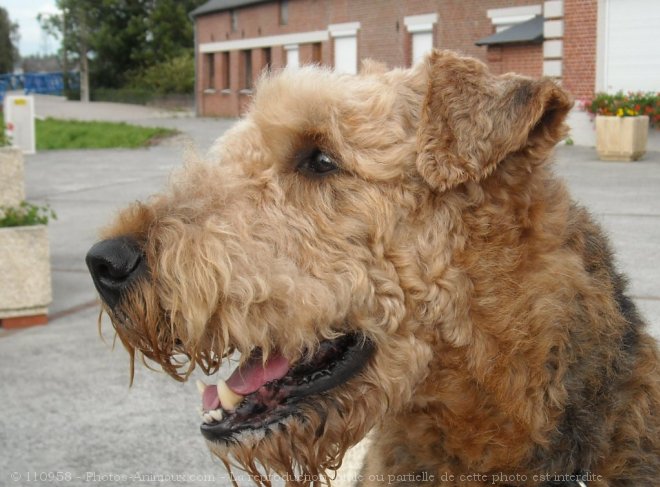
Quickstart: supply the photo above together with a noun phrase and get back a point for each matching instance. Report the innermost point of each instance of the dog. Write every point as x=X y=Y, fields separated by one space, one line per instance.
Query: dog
x=391 y=253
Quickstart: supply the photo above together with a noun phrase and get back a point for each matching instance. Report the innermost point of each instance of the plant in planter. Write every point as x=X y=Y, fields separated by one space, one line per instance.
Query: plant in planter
x=4 y=138
x=25 y=287
x=11 y=171
x=622 y=123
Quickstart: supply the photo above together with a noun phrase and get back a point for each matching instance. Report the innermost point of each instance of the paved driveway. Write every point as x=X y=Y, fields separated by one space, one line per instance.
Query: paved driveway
x=66 y=404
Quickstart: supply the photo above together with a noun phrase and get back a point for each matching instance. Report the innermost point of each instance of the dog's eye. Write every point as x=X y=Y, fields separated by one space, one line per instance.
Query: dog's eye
x=318 y=164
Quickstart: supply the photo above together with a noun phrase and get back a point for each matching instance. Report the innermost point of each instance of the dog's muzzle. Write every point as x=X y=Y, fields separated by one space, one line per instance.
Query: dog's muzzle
x=114 y=264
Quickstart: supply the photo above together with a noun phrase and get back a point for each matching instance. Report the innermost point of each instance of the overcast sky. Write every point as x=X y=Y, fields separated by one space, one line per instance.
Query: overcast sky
x=24 y=12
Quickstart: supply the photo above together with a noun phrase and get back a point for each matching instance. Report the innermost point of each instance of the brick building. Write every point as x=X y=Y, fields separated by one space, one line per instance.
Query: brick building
x=587 y=45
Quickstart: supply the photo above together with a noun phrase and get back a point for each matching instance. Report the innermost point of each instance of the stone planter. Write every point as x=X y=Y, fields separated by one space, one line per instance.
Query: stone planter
x=25 y=287
x=12 y=190
x=621 y=138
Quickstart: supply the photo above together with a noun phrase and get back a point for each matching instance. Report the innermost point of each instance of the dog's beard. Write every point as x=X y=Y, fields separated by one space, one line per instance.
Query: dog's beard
x=308 y=446
x=295 y=421
x=148 y=332
x=303 y=446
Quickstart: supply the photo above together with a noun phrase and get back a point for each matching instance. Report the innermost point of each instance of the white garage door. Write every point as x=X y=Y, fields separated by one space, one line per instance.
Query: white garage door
x=631 y=45
x=346 y=54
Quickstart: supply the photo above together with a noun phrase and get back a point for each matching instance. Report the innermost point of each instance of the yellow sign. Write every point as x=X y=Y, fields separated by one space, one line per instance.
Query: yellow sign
x=20 y=101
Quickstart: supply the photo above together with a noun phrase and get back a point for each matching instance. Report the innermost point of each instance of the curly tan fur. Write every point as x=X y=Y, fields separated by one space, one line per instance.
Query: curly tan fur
x=504 y=340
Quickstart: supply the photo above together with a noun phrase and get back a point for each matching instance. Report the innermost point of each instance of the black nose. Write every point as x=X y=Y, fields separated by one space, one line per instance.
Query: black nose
x=114 y=264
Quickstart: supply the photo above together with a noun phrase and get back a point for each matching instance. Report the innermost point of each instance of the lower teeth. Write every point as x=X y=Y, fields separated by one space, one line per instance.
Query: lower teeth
x=211 y=416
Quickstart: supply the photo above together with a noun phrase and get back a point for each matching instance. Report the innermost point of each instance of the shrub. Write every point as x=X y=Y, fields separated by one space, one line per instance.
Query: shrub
x=4 y=139
x=626 y=105
x=135 y=96
x=25 y=214
x=176 y=75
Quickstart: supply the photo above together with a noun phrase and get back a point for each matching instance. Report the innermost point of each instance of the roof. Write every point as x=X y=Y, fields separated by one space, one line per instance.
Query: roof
x=528 y=31
x=219 y=5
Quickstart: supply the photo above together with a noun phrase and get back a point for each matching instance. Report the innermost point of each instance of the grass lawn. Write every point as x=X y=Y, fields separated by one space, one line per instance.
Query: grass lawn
x=53 y=133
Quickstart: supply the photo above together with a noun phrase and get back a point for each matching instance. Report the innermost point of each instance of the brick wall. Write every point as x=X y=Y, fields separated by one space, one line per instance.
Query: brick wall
x=524 y=59
x=382 y=36
x=580 y=31
x=462 y=22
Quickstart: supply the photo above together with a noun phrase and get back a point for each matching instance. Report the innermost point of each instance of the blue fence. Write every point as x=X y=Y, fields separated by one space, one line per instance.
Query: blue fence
x=40 y=83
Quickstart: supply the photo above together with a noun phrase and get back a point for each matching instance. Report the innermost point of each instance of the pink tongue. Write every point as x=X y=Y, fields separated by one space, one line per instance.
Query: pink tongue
x=251 y=376
x=210 y=399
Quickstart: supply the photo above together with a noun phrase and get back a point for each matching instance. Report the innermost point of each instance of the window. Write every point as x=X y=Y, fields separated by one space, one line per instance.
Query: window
x=284 y=12
x=345 y=46
x=266 y=58
x=247 y=69
x=422 y=44
x=420 y=28
x=346 y=54
x=226 y=73
x=316 y=53
x=234 y=21
x=210 y=70
x=292 y=56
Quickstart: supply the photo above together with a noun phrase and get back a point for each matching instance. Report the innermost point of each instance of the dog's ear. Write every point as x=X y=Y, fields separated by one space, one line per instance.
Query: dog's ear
x=471 y=120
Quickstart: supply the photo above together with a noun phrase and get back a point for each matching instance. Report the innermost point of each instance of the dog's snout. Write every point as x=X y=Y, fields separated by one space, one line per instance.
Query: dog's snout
x=114 y=264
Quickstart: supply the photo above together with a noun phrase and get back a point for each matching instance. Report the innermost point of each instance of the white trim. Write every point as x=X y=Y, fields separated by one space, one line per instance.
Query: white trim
x=420 y=19
x=553 y=29
x=268 y=41
x=346 y=29
x=420 y=28
x=527 y=12
x=552 y=68
x=343 y=33
x=601 y=45
x=553 y=9
x=511 y=20
x=420 y=23
x=290 y=47
x=553 y=48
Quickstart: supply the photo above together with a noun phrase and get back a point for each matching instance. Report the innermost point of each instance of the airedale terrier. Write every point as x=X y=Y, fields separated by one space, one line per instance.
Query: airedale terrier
x=391 y=252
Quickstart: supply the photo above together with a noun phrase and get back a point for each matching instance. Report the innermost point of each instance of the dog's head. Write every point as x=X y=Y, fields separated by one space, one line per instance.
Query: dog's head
x=318 y=243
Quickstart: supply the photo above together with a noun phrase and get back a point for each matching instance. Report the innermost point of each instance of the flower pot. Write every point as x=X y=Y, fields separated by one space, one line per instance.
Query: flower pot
x=12 y=190
x=25 y=287
x=621 y=138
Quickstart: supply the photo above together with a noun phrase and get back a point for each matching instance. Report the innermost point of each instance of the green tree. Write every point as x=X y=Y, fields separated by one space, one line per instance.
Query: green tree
x=123 y=38
x=9 y=38
x=74 y=26
x=170 y=29
x=136 y=36
x=120 y=36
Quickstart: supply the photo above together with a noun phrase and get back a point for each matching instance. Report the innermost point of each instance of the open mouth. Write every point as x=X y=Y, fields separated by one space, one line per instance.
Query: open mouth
x=257 y=396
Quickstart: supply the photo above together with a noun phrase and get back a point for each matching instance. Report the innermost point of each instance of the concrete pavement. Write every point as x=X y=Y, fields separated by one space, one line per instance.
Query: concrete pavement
x=67 y=406
x=60 y=107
